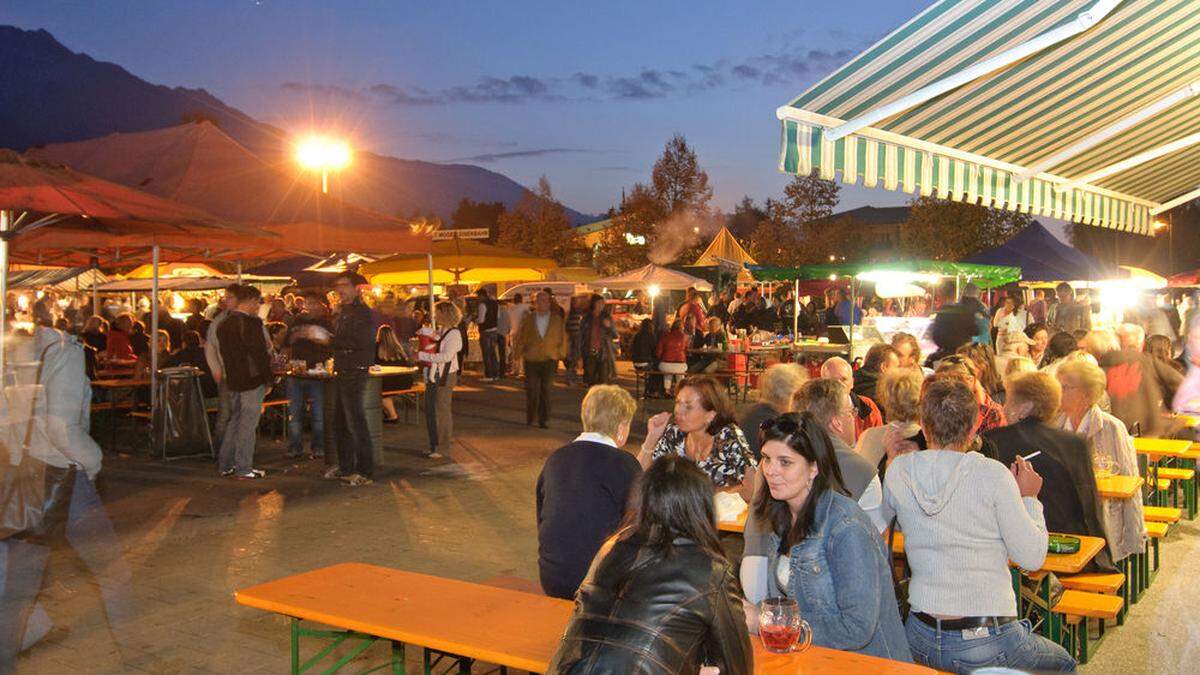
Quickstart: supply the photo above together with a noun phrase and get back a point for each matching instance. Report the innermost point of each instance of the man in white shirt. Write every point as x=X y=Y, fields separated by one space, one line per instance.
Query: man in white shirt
x=517 y=310
x=212 y=354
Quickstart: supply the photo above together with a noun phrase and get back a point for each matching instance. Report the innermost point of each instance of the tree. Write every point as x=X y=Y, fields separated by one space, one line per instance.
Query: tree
x=471 y=215
x=808 y=198
x=625 y=245
x=677 y=179
x=774 y=241
x=948 y=230
x=745 y=218
x=538 y=224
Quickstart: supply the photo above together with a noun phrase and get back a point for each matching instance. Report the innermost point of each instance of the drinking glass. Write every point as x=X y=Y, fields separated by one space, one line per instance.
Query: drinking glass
x=1102 y=465
x=780 y=627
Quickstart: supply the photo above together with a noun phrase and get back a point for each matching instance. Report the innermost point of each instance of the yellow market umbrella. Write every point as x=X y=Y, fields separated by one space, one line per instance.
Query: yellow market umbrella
x=459 y=261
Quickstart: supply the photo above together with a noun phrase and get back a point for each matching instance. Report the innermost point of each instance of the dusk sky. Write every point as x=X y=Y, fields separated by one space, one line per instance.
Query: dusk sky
x=586 y=94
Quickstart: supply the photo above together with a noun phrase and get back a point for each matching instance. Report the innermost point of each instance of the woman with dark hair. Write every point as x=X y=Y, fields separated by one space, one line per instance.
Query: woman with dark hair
x=1040 y=334
x=807 y=540
x=672 y=354
x=704 y=429
x=390 y=352
x=596 y=335
x=986 y=371
x=1062 y=344
x=1159 y=347
x=660 y=597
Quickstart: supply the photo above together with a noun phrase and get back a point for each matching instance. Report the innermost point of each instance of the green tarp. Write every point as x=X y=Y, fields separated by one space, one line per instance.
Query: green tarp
x=984 y=276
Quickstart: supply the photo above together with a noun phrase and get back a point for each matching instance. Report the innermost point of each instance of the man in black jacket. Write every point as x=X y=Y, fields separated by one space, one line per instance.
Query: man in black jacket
x=353 y=346
x=582 y=490
x=246 y=358
x=486 y=314
x=1069 y=495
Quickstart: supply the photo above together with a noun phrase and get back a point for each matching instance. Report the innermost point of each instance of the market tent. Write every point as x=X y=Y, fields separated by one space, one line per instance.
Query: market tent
x=212 y=283
x=176 y=269
x=52 y=208
x=984 y=276
x=459 y=261
x=1083 y=110
x=64 y=279
x=724 y=249
x=199 y=164
x=1185 y=279
x=1043 y=257
x=649 y=276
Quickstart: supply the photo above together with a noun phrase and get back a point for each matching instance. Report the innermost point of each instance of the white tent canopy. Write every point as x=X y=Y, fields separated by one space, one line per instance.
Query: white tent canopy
x=658 y=276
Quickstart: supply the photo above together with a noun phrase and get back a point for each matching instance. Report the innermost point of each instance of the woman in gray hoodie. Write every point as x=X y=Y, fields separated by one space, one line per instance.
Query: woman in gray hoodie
x=964 y=517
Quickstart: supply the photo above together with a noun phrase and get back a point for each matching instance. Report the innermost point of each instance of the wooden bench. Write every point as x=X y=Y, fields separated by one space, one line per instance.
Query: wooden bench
x=365 y=604
x=1184 y=478
x=1077 y=607
x=1162 y=514
x=411 y=395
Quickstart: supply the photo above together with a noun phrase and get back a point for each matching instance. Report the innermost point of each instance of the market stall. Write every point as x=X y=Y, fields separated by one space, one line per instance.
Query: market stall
x=895 y=278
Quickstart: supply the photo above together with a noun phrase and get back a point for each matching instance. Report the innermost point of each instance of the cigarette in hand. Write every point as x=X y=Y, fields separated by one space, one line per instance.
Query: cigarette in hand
x=1031 y=455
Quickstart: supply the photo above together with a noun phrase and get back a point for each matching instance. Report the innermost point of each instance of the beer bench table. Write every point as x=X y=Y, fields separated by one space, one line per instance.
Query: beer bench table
x=366 y=603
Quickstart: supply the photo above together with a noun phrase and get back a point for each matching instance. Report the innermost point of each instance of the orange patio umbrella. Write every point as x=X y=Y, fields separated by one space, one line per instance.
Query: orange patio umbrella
x=48 y=208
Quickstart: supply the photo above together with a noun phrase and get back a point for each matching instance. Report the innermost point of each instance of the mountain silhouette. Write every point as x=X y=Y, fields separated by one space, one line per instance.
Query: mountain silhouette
x=51 y=95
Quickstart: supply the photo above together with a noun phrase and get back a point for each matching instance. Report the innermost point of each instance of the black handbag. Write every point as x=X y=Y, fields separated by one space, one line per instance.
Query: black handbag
x=900 y=585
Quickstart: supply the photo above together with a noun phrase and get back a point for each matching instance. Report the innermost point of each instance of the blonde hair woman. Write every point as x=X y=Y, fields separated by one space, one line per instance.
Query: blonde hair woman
x=899 y=392
x=1083 y=387
x=441 y=374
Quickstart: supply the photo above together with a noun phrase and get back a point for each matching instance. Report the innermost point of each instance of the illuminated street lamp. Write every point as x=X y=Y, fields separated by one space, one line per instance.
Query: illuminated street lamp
x=319 y=153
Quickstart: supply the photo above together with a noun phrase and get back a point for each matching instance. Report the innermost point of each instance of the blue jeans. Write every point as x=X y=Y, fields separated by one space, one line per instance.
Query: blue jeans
x=1013 y=645
x=299 y=390
x=489 y=344
x=241 y=432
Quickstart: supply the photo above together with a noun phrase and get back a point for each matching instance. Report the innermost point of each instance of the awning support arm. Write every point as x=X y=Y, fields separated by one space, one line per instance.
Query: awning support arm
x=1120 y=126
x=1131 y=162
x=1181 y=199
x=1083 y=21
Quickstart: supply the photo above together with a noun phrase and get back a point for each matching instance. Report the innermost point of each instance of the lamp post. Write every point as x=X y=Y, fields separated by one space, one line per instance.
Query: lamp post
x=319 y=153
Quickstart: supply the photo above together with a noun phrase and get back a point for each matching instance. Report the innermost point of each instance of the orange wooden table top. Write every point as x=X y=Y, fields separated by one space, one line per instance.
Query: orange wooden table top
x=1164 y=447
x=1118 y=487
x=494 y=625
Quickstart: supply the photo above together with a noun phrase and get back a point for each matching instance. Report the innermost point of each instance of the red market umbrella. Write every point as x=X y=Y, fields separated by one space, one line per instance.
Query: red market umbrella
x=49 y=208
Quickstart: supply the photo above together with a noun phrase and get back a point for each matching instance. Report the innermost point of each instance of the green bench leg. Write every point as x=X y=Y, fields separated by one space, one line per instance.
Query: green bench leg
x=335 y=638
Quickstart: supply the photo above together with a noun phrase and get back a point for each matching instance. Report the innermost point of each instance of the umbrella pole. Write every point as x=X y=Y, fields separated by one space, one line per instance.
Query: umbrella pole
x=239 y=270
x=154 y=336
x=796 y=310
x=432 y=318
x=853 y=306
x=95 y=295
x=4 y=221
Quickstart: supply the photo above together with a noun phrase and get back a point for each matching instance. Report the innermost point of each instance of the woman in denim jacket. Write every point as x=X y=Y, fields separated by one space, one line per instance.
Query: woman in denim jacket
x=805 y=539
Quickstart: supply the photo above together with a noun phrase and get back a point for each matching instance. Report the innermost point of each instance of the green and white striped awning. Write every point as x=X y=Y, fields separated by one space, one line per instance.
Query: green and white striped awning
x=1098 y=125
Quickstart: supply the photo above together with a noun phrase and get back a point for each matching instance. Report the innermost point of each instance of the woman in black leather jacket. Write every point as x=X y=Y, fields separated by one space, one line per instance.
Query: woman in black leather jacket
x=660 y=596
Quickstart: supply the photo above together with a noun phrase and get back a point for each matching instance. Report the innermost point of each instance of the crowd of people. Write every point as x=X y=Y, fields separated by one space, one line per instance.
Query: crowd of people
x=974 y=457
x=830 y=463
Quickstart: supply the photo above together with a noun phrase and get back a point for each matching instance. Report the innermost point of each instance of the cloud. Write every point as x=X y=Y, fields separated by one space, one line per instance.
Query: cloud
x=783 y=66
x=518 y=154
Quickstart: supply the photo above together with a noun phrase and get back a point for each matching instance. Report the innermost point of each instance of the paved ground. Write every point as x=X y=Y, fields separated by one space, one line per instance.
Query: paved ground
x=190 y=539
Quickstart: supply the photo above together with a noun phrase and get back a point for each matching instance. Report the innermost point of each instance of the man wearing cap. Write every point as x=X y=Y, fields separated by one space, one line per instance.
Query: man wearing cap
x=353 y=347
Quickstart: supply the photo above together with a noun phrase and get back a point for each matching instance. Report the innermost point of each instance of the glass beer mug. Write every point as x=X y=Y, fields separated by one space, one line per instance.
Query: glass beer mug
x=780 y=627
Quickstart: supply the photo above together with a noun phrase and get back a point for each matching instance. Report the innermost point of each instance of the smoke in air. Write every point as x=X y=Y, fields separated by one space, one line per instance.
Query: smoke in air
x=678 y=233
